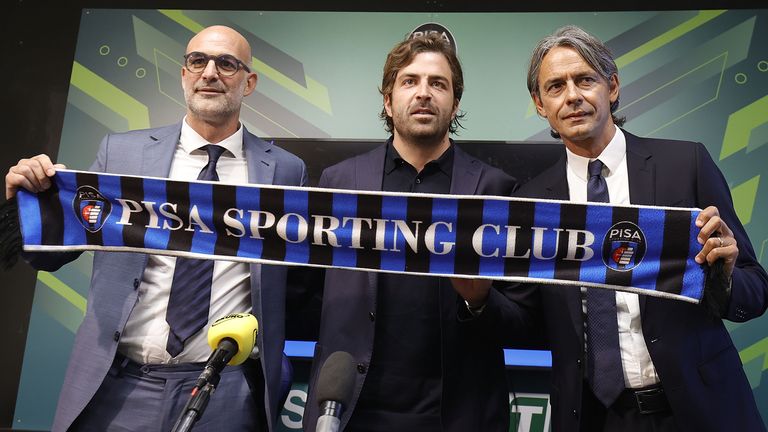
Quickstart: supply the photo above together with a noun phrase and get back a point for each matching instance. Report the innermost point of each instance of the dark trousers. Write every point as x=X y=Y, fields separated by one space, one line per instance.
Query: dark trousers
x=623 y=416
x=149 y=398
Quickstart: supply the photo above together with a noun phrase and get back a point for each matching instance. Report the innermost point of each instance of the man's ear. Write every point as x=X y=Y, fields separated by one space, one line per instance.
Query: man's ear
x=539 y=106
x=250 y=83
x=388 y=104
x=613 y=87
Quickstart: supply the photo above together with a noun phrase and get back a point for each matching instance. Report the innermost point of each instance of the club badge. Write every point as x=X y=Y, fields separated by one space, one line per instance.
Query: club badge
x=91 y=208
x=624 y=246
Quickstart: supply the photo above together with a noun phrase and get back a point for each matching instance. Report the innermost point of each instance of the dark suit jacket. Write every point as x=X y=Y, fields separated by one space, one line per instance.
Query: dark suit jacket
x=692 y=351
x=116 y=276
x=474 y=394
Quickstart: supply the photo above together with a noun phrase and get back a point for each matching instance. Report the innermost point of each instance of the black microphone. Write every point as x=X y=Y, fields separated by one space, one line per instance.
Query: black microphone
x=334 y=390
x=232 y=339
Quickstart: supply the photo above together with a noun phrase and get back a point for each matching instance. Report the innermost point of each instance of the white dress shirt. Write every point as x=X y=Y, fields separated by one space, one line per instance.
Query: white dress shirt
x=146 y=332
x=636 y=361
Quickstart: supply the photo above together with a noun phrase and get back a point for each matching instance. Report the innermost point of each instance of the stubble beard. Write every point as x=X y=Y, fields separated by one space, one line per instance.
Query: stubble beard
x=421 y=135
x=214 y=109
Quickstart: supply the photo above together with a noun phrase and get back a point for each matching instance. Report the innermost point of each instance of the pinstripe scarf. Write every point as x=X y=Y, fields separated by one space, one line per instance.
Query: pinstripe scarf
x=641 y=249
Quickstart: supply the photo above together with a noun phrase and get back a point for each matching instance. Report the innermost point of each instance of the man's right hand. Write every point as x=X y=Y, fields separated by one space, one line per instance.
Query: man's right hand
x=31 y=174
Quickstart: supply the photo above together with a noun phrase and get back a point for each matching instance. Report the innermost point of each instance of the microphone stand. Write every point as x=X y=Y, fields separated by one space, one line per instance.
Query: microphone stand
x=198 y=401
x=330 y=417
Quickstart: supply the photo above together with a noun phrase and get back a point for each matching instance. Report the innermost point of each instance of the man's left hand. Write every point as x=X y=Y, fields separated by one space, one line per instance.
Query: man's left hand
x=717 y=240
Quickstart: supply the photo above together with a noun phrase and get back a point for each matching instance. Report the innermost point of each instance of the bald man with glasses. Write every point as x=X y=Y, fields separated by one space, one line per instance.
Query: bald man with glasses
x=143 y=342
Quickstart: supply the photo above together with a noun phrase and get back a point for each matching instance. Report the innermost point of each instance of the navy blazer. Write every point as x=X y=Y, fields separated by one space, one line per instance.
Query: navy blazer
x=474 y=393
x=692 y=351
x=116 y=276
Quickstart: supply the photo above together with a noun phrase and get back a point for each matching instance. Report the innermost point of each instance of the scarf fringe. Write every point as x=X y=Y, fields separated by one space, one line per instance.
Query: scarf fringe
x=716 y=290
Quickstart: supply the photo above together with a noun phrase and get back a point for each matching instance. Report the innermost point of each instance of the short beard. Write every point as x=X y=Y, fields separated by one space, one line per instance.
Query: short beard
x=426 y=139
x=214 y=114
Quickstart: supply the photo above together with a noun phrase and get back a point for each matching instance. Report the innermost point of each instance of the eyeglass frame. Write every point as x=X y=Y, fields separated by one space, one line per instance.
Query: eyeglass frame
x=215 y=58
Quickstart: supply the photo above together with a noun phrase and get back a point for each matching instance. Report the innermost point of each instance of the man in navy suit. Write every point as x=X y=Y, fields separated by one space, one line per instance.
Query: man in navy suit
x=124 y=374
x=652 y=364
x=428 y=353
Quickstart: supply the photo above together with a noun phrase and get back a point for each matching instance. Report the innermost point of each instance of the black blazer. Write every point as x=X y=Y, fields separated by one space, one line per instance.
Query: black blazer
x=474 y=393
x=693 y=353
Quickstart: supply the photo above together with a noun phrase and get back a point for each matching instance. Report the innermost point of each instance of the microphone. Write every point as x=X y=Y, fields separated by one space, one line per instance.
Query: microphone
x=334 y=390
x=232 y=339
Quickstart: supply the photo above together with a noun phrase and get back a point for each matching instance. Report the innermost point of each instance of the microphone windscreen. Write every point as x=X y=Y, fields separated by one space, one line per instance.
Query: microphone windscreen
x=240 y=327
x=337 y=378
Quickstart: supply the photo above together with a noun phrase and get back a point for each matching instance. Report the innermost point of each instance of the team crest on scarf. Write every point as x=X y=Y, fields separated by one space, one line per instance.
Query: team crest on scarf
x=91 y=208
x=624 y=246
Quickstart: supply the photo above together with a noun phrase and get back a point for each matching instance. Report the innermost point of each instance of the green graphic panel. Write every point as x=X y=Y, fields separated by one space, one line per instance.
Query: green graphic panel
x=740 y=127
x=529 y=413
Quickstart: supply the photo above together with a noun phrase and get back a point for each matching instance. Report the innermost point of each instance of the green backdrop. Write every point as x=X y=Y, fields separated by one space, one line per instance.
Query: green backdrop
x=693 y=75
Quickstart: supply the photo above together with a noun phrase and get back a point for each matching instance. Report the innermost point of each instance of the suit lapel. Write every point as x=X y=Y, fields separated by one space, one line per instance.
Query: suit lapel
x=466 y=173
x=558 y=189
x=641 y=172
x=369 y=169
x=261 y=164
x=261 y=170
x=157 y=154
x=369 y=175
x=642 y=181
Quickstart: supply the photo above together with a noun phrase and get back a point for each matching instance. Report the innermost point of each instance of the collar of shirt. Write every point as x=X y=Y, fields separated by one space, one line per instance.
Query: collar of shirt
x=393 y=160
x=611 y=157
x=192 y=142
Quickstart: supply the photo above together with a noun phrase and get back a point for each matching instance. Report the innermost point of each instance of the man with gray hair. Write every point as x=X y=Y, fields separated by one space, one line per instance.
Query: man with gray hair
x=624 y=362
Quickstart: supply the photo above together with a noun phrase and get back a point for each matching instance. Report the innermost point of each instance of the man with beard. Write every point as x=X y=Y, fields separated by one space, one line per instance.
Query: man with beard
x=428 y=354
x=143 y=341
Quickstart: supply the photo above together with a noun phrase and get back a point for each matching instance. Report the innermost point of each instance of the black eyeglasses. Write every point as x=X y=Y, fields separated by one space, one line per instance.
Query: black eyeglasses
x=226 y=64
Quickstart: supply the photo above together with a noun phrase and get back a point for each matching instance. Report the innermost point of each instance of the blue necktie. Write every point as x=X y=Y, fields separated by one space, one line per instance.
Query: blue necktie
x=605 y=373
x=191 y=287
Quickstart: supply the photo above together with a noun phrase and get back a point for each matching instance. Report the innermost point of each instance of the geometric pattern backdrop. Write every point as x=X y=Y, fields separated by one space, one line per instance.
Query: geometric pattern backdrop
x=693 y=75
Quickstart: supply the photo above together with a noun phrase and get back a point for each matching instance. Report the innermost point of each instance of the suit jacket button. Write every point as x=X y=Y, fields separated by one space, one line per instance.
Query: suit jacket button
x=578 y=363
x=116 y=336
x=135 y=283
x=372 y=316
x=361 y=368
x=575 y=413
